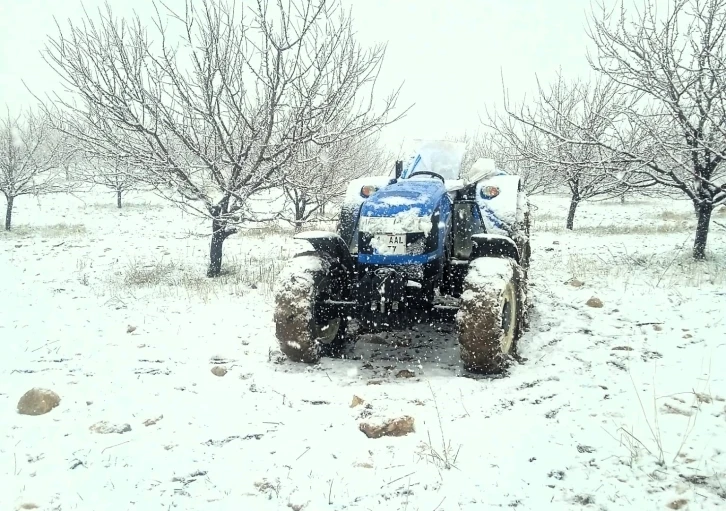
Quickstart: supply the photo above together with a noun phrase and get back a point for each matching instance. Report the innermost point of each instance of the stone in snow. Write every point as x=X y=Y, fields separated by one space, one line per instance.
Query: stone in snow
x=38 y=402
x=594 y=302
x=395 y=427
x=106 y=428
x=575 y=283
x=219 y=370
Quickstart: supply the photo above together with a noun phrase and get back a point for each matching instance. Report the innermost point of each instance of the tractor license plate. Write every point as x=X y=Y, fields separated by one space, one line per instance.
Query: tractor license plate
x=391 y=244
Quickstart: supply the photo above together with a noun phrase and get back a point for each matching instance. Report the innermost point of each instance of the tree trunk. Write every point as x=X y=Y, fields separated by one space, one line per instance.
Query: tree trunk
x=219 y=234
x=215 y=249
x=118 y=199
x=704 y=220
x=299 y=222
x=574 y=201
x=300 y=208
x=9 y=212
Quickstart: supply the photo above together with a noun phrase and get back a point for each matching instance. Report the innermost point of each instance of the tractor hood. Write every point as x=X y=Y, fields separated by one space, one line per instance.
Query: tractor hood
x=404 y=206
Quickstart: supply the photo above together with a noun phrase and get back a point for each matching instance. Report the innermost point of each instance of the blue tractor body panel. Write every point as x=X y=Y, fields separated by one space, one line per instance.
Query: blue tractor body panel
x=404 y=195
x=405 y=223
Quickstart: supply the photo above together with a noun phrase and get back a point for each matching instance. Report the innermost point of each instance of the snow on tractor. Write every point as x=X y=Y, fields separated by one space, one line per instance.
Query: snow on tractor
x=403 y=246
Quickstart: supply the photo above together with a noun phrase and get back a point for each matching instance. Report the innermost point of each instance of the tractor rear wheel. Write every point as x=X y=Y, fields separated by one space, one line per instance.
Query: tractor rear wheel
x=308 y=278
x=490 y=314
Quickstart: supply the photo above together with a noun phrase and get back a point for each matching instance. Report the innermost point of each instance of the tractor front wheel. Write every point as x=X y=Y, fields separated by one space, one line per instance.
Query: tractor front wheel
x=489 y=314
x=306 y=279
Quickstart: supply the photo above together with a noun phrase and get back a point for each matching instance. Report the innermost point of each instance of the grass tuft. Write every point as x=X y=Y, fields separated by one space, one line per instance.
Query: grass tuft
x=166 y=278
x=667 y=269
x=618 y=229
x=126 y=206
x=46 y=231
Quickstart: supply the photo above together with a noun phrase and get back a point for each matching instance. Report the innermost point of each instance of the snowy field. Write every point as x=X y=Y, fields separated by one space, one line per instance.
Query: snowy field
x=619 y=407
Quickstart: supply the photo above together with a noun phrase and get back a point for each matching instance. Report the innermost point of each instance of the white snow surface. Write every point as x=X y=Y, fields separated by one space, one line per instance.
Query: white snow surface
x=393 y=200
x=612 y=408
x=319 y=234
x=406 y=221
x=523 y=206
x=303 y=268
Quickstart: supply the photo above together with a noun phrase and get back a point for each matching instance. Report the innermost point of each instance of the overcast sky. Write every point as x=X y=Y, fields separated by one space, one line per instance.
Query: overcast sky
x=449 y=54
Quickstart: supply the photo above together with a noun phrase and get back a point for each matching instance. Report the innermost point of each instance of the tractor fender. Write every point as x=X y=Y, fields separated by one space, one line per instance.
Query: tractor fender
x=348 y=223
x=332 y=244
x=494 y=245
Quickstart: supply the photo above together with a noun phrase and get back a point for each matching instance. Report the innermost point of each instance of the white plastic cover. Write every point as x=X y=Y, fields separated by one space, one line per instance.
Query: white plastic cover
x=500 y=212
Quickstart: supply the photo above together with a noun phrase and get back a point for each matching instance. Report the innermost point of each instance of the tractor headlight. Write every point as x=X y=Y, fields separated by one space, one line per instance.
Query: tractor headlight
x=368 y=190
x=488 y=192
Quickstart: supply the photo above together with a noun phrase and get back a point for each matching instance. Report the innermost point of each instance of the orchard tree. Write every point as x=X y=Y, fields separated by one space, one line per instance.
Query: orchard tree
x=217 y=103
x=576 y=143
x=114 y=174
x=674 y=60
x=672 y=129
x=32 y=159
x=320 y=176
x=506 y=146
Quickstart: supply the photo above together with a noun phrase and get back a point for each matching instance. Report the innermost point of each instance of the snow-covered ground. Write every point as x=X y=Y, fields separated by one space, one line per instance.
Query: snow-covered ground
x=619 y=407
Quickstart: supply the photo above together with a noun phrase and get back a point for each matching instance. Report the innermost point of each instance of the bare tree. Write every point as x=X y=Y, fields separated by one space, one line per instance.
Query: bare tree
x=31 y=159
x=320 y=175
x=115 y=174
x=502 y=144
x=678 y=64
x=220 y=116
x=673 y=67
x=577 y=142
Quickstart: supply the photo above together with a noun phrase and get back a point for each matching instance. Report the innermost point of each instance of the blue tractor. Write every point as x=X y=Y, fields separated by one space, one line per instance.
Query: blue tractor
x=404 y=245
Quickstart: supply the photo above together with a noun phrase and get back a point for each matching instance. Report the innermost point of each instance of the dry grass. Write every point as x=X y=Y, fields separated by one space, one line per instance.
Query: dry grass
x=668 y=269
x=264 y=230
x=661 y=222
x=672 y=216
x=62 y=230
x=169 y=278
x=445 y=458
x=643 y=229
x=547 y=217
x=126 y=206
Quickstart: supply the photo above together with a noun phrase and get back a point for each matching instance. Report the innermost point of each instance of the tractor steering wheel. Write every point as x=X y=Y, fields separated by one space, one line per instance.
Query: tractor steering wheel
x=428 y=173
